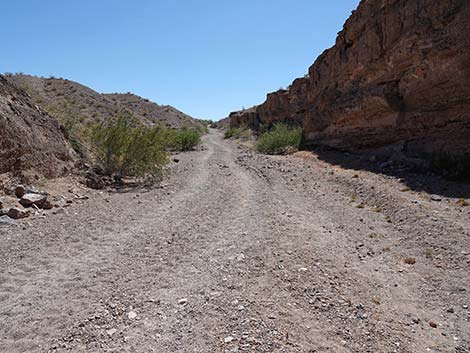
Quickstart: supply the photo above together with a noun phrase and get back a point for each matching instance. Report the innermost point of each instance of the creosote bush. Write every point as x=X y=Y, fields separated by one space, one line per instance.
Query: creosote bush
x=237 y=133
x=452 y=167
x=184 y=139
x=124 y=148
x=279 y=139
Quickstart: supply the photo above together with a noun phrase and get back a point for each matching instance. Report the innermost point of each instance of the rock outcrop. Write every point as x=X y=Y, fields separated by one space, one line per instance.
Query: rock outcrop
x=30 y=139
x=399 y=72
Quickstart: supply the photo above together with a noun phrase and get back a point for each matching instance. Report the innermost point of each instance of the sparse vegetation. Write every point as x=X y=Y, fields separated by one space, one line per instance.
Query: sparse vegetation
x=452 y=167
x=184 y=139
x=124 y=148
x=279 y=139
x=237 y=133
x=376 y=300
x=206 y=122
x=375 y=235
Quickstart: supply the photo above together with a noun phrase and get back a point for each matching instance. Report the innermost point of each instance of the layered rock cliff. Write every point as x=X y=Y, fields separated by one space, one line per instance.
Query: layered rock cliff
x=30 y=139
x=399 y=71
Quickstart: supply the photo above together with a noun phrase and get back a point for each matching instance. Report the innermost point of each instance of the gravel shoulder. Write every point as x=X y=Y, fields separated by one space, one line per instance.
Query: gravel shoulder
x=242 y=252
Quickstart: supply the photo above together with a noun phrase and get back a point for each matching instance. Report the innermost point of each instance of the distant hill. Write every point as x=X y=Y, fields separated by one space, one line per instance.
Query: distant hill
x=71 y=103
x=151 y=112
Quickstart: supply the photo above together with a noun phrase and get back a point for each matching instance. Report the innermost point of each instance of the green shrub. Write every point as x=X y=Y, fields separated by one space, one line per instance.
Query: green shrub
x=450 y=166
x=206 y=122
x=237 y=132
x=279 y=139
x=181 y=140
x=202 y=129
x=124 y=148
x=187 y=139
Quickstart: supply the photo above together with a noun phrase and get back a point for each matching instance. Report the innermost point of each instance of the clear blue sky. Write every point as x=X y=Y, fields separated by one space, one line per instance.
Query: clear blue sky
x=205 y=57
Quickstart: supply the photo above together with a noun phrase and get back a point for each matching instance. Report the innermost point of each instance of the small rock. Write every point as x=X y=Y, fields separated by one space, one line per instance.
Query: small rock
x=228 y=339
x=451 y=310
x=432 y=324
x=16 y=213
x=176 y=160
x=436 y=198
x=111 y=331
x=20 y=191
x=29 y=200
x=132 y=315
x=6 y=221
x=47 y=205
x=95 y=182
x=183 y=301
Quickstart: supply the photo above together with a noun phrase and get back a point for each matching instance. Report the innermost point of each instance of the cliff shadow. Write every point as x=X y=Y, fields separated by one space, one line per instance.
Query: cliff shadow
x=414 y=173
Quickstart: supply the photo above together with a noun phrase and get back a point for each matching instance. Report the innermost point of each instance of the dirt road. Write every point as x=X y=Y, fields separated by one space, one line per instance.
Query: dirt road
x=242 y=252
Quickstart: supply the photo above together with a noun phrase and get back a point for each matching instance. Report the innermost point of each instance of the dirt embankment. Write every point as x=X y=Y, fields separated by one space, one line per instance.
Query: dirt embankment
x=30 y=139
x=243 y=252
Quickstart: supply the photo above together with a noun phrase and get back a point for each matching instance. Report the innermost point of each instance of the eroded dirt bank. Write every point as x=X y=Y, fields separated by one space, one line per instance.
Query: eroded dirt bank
x=242 y=252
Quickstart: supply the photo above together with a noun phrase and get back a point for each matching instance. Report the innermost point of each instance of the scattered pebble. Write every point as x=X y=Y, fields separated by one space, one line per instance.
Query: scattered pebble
x=228 y=339
x=132 y=315
x=183 y=301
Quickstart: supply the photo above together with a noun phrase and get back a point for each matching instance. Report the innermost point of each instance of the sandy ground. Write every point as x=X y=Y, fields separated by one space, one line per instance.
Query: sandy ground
x=242 y=252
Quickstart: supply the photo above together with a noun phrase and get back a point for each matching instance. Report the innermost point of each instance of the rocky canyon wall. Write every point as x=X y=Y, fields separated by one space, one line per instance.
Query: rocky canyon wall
x=399 y=72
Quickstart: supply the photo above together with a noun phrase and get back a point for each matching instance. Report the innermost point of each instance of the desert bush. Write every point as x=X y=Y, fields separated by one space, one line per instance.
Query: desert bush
x=279 y=139
x=206 y=122
x=124 y=148
x=237 y=133
x=450 y=166
x=186 y=139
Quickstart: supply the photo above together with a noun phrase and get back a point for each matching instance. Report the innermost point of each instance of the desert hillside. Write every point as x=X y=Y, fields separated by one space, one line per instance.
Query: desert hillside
x=399 y=72
x=71 y=102
x=29 y=137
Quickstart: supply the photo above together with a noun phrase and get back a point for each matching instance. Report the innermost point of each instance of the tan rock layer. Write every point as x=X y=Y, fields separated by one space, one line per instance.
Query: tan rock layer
x=399 y=71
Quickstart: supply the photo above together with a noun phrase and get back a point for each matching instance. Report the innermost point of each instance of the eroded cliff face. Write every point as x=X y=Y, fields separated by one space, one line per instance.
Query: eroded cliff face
x=399 y=71
x=31 y=141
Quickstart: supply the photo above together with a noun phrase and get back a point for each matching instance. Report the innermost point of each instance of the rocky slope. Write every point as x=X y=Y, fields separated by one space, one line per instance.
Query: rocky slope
x=30 y=139
x=151 y=112
x=399 y=72
x=71 y=103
